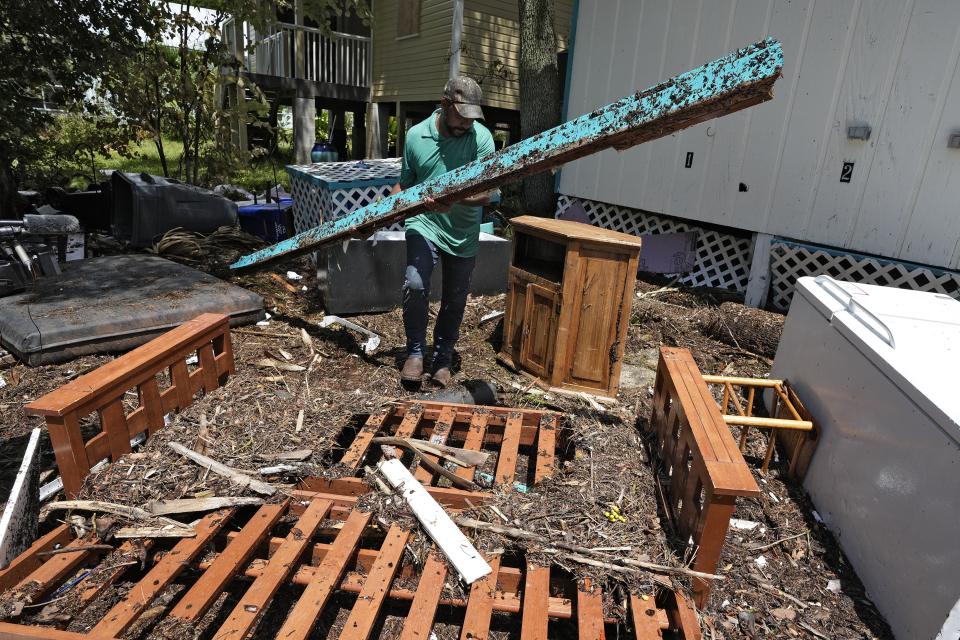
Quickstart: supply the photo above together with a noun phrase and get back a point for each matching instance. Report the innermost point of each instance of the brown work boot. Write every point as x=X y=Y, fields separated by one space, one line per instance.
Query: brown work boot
x=441 y=377
x=412 y=369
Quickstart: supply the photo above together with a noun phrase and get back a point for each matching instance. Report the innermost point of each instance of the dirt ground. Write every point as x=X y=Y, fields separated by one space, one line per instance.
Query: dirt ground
x=256 y=414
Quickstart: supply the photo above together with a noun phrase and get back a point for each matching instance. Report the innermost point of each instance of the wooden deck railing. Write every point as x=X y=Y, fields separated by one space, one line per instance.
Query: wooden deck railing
x=696 y=451
x=102 y=391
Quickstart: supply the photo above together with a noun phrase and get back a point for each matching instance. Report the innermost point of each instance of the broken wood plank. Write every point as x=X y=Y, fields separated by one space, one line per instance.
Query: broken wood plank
x=423 y=609
x=327 y=577
x=281 y=564
x=363 y=616
x=193 y=505
x=476 y=621
x=18 y=525
x=736 y=81
x=459 y=550
x=208 y=587
x=131 y=513
x=166 y=531
x=441 y=431
x=139 y=598
x=474 y=440
x=235 y=476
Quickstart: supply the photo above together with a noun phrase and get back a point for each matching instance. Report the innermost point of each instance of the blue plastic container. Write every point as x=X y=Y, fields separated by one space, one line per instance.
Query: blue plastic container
x=272 y=221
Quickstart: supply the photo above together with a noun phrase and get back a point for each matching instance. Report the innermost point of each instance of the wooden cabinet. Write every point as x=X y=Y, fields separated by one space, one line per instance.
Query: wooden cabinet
x=568 y=303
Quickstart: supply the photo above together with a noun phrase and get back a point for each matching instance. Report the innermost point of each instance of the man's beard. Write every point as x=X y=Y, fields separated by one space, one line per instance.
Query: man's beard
x=457 y=132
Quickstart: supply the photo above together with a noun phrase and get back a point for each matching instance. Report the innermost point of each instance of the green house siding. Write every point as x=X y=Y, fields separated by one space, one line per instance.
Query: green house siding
x=414 y=68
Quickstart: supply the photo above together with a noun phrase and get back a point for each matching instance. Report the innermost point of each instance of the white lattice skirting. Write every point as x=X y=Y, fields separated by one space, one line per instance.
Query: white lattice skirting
x=723 y=259
x=791 y=260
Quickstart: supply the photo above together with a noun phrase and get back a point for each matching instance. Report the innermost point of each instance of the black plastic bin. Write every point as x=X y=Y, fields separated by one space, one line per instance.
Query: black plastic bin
x=146 y=206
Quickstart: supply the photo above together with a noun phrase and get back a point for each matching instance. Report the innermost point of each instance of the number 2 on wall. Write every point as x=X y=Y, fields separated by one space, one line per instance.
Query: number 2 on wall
x=846 y=172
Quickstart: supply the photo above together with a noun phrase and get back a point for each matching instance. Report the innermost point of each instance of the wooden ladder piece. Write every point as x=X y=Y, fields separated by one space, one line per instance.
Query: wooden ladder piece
x=125 y=612
x=228 y=564
x=536 y=602
x=281 y=564
x=327 y=577
x=589 y=612
x=411 y=419
x=476 y=622
x=423 y=609
x=363 y=616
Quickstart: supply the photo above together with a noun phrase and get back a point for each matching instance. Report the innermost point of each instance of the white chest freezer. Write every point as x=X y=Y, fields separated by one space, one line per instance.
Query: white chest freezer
x=879 y=369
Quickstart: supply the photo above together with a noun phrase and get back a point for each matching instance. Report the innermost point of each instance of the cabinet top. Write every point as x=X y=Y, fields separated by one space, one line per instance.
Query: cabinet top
x=575 y=231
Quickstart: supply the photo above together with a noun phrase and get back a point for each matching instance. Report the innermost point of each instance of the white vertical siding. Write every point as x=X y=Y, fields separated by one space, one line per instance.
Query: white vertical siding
x=889 y=64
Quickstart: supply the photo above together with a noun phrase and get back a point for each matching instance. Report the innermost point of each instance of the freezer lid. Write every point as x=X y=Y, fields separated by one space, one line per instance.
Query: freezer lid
x=913 y=337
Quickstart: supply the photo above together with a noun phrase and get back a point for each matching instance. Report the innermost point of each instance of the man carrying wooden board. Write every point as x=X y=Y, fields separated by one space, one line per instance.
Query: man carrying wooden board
x=449 y=233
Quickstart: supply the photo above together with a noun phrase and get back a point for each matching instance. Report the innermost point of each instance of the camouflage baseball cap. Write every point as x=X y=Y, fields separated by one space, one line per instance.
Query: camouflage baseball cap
x=465 y=94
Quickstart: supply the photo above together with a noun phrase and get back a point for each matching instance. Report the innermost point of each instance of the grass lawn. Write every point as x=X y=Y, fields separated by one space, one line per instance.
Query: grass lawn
x=255 y=177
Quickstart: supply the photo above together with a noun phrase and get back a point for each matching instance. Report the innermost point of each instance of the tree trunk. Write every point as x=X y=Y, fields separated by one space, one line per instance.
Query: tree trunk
x=539 y=93
x=8 y=190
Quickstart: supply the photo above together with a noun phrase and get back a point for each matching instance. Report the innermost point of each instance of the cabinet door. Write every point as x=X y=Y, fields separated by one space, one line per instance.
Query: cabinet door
x=513 y=320
x=597 y=318
x=539 y=330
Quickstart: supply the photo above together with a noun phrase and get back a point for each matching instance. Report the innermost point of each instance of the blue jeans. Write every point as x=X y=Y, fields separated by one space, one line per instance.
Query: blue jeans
x=422 y=257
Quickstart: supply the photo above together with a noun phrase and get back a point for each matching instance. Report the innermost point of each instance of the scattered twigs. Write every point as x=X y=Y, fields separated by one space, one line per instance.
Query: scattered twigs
x=235 y=476
x=783 y=594
x=83 y=547
x=578 y=554
x=773 y=544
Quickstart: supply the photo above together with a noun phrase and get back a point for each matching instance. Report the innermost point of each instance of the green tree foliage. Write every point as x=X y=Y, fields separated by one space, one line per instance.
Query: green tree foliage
x=60 y=49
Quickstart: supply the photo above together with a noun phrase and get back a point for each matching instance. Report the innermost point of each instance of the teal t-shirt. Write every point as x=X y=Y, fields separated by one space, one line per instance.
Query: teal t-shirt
x=427 y=154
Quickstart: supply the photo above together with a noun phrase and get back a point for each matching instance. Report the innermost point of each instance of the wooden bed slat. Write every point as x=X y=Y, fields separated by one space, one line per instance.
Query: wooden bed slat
x=423 y=609
x=258 y=596
x=327 y=577
x=589 y=612
x=476 y=622
x=358 y=449
x=509 y=449
x=376 y=586
x=125 y=612
x=536 y=600
x=228 y=564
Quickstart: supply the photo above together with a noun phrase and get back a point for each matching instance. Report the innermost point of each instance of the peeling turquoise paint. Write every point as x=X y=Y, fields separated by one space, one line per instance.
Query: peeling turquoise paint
x=738 y=80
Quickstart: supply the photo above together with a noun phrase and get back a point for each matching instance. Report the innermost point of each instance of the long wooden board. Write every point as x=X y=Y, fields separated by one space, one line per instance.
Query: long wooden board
x=736 y=81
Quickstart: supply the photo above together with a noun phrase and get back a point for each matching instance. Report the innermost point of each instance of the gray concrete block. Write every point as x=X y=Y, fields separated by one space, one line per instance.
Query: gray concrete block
x=367 y=277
